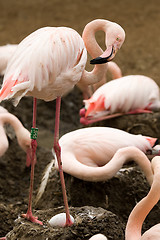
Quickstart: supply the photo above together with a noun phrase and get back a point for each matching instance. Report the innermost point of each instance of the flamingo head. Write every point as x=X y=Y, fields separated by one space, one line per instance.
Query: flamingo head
x=153 y=141
x=93 y=108
x=24 y=139
x=115 y=36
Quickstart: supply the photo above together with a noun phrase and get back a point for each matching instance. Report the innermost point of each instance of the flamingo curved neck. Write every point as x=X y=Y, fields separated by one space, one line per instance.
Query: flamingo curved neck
x=95 y=173
x=12 y=120
x=94 y=50
x=142 y=209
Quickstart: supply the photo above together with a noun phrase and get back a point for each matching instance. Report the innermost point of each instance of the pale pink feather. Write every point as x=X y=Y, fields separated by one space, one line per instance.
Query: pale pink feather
x=126 y=94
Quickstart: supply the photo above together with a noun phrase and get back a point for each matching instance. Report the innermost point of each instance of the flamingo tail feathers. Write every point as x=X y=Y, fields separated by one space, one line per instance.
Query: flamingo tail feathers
x=7 y=88
x=44 y=180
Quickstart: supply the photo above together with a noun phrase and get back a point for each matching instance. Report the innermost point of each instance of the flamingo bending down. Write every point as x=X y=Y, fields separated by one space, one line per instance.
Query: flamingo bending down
x=6 y=53
x=126 y=95
x=98 y=153
x=88 y=91
x=47 y=64
x=23 y=135
x=141 y=210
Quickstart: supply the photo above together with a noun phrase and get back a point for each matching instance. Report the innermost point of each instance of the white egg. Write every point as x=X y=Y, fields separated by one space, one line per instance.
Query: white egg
x=59 y=220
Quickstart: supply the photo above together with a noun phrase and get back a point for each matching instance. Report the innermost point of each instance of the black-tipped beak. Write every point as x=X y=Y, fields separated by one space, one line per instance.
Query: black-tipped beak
x=156 y=142
x=98 y=60
x=101 y=60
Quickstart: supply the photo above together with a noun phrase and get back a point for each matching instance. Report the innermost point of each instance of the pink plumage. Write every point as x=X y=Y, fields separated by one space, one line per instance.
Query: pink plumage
x=48 y=64
x=143 y=208
x=98 y=153
x=133 y=93
x=37 y=68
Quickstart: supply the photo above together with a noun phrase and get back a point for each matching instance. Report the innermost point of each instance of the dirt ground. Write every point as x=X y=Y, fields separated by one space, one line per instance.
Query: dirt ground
x=97 y=207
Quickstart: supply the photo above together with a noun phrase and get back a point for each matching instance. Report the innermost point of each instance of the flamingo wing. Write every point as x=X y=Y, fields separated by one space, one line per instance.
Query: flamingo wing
x=40 y=59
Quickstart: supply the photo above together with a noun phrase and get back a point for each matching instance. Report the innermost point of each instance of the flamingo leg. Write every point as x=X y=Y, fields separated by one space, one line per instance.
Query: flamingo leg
x=29 y=214
x=87 y=120
x=57 y=150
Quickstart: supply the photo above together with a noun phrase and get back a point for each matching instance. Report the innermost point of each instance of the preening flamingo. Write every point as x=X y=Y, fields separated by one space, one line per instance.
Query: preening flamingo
x=22 y=134
x=126 y=95
x=115 y=73
x=47 y=64
x=98 y=153
x=6 y=53
x=142 y=209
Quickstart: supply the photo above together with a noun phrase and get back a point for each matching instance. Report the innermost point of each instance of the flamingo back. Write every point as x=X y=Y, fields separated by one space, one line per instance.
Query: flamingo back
x=99 y=143
x=127 y=93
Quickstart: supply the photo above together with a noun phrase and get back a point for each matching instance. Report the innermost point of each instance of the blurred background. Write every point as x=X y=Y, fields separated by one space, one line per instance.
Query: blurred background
x=139 y=18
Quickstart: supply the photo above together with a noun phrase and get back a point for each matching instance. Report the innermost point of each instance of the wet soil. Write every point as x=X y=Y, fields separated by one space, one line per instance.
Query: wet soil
x=97 y=207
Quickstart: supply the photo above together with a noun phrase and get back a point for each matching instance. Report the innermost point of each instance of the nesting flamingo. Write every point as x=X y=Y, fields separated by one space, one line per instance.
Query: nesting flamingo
x=97 y=154
x=142 y=209
x=47 y=64
x=127 y=95
x=22 y=134
x=6 y=53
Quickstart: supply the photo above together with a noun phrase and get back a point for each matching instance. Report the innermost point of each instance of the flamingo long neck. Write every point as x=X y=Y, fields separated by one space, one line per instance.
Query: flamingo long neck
x=93 y=173
x=142 y=209
x=94 y=50
x=13 y=121
x=115 y=70
x=4 y=140
x=124 y=155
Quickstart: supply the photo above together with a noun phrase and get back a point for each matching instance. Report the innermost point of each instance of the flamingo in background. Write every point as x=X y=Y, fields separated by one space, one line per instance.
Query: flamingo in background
x=142 y=209
x=97 y=154
x=47 y=64
x=23 y=135
x=127 y=95
x=88 y=91
x=6 y=53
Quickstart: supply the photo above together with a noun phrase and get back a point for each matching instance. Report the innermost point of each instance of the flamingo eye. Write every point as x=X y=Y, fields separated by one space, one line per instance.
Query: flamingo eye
x=117 y=39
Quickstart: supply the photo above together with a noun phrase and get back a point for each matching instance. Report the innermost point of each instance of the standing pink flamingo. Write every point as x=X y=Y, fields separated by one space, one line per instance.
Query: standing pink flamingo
x=47 y=64
x=141 y=210
x=23 y=135
x=6 y=53
x=88 y=91
x=97 y=154
x=126 y=95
